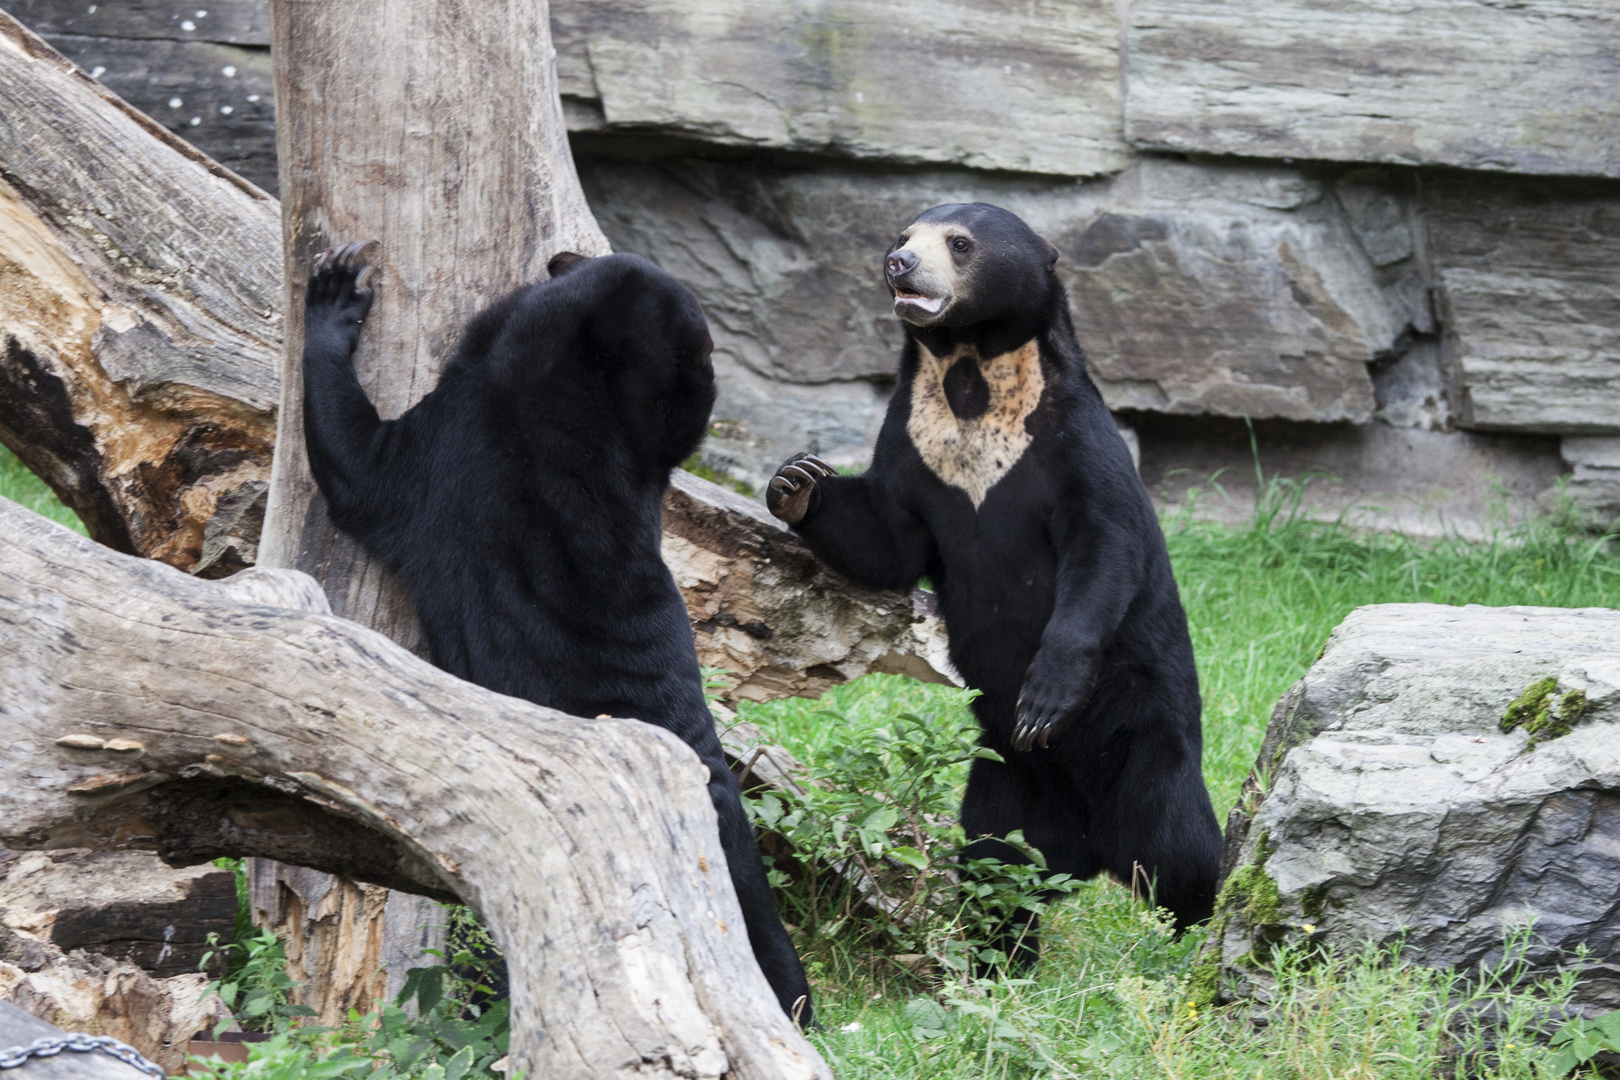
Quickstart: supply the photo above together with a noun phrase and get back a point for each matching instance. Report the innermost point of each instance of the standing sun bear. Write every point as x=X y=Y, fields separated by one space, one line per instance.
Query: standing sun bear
x=520 y=504
x=999 y=473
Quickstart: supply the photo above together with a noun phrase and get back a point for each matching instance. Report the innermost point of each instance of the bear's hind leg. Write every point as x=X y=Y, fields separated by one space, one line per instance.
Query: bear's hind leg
x=773 y=949
x=1166 y=835
x=993 y=806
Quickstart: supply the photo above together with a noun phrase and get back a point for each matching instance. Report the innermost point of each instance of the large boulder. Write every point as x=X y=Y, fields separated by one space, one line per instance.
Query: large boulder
x=1522 y=87
x=1439 y=777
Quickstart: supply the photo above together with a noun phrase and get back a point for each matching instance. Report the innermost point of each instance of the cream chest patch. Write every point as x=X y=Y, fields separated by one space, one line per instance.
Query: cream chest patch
x=975 y=453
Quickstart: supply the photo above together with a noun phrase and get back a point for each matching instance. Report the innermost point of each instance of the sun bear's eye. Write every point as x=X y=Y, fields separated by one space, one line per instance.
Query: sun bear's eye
x=960 y=244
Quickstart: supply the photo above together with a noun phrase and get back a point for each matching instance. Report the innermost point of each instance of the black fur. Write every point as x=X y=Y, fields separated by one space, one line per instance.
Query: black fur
x=520 y=504
x=1057 y=592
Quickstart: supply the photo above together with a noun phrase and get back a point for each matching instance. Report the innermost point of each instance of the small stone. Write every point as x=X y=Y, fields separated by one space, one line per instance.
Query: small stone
x=126 y=746
x=81 y=742
x=230 y=738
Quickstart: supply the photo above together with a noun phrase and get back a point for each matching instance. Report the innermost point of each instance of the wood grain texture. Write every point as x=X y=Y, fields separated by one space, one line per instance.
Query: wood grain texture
x=589 y=846
x=94 y=994
x=125 y=905
x=137 y=345
x=1524 y=87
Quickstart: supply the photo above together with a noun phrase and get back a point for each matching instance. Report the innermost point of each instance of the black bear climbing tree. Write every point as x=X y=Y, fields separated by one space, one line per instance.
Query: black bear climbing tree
x=435 y=129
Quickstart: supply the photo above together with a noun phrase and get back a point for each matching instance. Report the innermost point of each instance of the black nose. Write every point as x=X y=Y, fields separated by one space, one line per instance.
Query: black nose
x=900 y=263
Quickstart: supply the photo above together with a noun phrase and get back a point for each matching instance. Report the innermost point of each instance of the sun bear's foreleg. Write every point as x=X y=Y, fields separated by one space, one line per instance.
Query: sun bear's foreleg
x=850 y=523
x=341 y=427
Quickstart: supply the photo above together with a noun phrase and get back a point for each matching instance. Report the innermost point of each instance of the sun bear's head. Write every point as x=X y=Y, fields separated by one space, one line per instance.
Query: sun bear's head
x=966 y=263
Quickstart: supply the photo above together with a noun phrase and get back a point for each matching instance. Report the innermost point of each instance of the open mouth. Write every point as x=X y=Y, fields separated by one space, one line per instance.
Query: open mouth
x=929 y=304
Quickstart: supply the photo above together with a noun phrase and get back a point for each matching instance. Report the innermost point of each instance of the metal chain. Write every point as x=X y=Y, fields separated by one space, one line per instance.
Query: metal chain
x=13 y=1056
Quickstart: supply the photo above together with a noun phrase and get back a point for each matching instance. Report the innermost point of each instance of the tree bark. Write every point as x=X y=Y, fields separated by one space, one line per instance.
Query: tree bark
x=142 y=705
x=140 y=317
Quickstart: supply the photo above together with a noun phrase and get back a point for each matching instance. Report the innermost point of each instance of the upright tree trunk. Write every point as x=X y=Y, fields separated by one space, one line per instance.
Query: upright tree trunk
x=434 y=127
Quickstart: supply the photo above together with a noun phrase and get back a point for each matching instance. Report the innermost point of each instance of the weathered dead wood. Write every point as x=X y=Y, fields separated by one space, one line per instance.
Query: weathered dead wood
x=95 y=994
x=140 y=316
x=125 y=905
x=589 y=846
x=773 y=617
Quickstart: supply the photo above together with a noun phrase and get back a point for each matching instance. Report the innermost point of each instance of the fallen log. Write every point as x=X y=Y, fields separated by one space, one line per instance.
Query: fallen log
x=772 y=617
x=94 y=994
x=140 y=318
x=145 y=708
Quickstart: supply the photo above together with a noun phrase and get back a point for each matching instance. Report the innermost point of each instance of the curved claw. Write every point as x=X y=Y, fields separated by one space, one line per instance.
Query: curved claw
x=815 y=462
x=790 y=471
x=366 y=277
x=782 y=483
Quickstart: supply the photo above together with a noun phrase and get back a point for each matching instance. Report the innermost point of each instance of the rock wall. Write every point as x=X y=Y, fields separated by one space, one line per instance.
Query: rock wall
x=1294 y=212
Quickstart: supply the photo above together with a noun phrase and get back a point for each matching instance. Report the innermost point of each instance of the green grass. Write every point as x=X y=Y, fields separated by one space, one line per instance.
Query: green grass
x=21 y=486
x=1105 y=999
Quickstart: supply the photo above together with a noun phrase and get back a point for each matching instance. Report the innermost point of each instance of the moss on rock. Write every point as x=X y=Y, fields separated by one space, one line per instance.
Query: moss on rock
x=1542 y=713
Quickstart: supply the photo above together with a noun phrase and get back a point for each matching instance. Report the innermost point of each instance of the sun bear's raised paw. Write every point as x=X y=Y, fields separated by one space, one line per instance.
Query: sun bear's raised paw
x=788 y=494
x=338 y=296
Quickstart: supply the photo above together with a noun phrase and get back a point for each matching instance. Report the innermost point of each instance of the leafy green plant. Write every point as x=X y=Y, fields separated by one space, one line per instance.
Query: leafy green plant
x=448 y=1037
x=875 y=848
x=1580 y=1041
x=256 y=986
x=433 y=1029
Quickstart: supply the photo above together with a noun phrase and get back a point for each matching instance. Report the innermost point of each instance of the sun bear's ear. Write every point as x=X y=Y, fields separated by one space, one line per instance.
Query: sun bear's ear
x=1051 y=255
x=564 y=261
